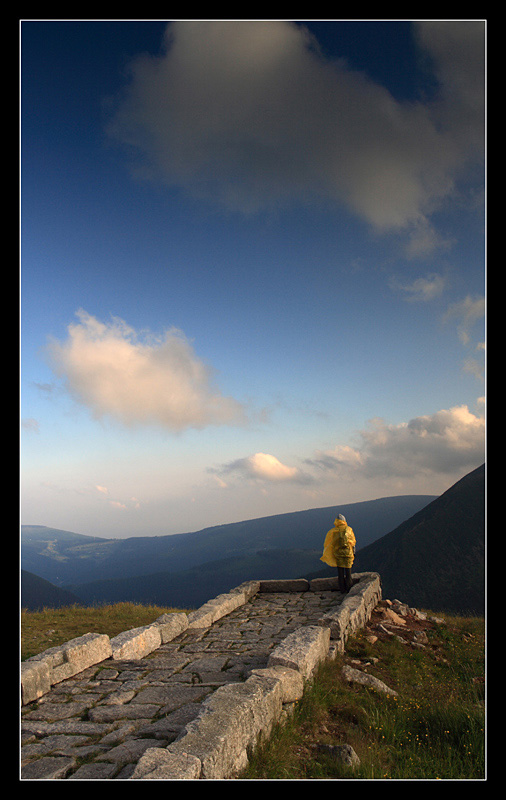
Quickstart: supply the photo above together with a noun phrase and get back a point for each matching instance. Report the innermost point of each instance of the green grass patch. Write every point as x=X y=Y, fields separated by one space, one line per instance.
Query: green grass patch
x=434 y=728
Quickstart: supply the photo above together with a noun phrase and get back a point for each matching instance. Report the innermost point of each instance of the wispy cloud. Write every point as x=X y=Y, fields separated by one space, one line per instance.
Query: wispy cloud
x=140 y=379
x=467 y=313
x=420 y=290
x=250 y=114
x=30 y=424
x=117 y=504
x=132 y=503
x=123 y=505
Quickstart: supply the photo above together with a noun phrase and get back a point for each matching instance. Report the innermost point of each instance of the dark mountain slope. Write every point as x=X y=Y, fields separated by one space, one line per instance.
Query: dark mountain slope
x=436 y=559
x=37 y=593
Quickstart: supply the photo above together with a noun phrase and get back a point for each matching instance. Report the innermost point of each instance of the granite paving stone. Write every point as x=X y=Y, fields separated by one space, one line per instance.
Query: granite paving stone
x=97 y=724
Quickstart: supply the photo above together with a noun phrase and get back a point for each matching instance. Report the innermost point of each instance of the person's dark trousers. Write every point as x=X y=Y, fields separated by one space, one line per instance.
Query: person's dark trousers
x=344 y=579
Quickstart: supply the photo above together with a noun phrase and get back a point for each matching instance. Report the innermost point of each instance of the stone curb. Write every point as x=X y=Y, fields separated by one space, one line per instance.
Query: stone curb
x=39 y=673
x=236 y=716
x=42 y=671
x=233 y=719
x=230 y=724
x=302 y=650
x=356 y=608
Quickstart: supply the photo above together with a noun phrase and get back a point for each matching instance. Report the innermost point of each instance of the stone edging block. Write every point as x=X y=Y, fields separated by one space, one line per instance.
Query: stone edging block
x=160 y=764
x=356 y=607
x=230 y=724
x=42 y=671
x=171 y=625
x=302 y=650
x=136 y=643
x=292 y=682
x=214 y=609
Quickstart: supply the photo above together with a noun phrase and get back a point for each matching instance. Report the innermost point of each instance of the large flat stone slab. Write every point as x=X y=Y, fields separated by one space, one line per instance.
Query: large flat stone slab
x=171 y=625
x=302 y=650
x=56 y=664
x=136 y=643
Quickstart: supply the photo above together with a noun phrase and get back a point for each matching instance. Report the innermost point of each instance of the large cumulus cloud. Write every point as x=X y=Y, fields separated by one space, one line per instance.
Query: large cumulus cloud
x=140 y=379
x=250 y=114
x=449 y=441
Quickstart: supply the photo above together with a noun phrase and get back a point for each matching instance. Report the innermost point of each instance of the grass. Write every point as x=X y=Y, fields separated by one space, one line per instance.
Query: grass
x=434 y=729
x=51 y=627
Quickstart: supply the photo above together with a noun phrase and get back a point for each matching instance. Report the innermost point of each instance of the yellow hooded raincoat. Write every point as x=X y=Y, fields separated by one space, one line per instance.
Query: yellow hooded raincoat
x=338 y=545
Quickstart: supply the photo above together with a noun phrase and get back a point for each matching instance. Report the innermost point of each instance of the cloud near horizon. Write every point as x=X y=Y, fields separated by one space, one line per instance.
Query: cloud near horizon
x=260 y=467
x=446 y=442
x=147 y=380
x=251 y=115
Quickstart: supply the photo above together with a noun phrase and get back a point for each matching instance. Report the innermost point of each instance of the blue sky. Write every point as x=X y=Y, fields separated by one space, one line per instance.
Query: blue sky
x=252 y=267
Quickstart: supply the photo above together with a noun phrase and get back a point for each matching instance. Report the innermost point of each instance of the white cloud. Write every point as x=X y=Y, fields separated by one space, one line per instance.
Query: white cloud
x=419 y=456
x=445 y=442
x=421 y=289
x=261 y=467
x=248 y=113
x=467 y=312
x=474 y=367
x=423 y=239
x=140 y=380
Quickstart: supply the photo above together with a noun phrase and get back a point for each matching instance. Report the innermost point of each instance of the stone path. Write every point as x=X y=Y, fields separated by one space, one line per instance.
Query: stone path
x=99 y=723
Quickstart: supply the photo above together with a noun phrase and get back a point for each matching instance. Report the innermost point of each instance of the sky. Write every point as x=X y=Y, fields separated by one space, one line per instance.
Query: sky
x=252 y=267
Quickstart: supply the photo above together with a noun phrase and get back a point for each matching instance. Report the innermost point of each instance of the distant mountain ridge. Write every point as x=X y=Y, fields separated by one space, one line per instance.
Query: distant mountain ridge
x=434 y=559
x=65 y=558
x=430 y=555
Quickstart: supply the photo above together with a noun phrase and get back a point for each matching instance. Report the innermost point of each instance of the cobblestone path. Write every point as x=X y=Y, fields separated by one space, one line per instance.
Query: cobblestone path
x=98 y=724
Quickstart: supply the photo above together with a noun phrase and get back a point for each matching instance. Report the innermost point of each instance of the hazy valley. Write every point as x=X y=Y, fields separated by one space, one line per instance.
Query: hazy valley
x=429 y=551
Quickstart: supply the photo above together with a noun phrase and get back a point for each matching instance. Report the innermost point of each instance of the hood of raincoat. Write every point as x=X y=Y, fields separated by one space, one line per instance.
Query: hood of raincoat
x=338 y=549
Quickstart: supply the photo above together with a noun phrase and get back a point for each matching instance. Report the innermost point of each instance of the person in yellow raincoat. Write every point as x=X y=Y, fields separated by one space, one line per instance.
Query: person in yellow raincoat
x=339 y=551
